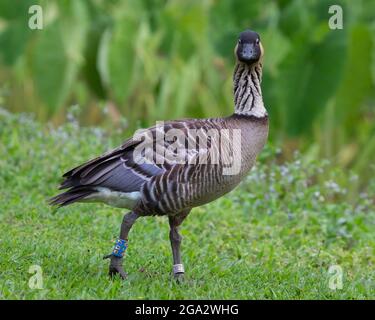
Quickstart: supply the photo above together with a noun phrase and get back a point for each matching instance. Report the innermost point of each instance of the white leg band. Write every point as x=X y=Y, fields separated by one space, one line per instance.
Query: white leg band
x=178 y=268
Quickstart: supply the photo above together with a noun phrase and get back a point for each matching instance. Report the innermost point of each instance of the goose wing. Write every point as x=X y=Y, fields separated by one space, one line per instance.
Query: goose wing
x=119 y=169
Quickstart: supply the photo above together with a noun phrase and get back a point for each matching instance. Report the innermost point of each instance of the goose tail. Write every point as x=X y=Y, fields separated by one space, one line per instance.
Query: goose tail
x=70 y=196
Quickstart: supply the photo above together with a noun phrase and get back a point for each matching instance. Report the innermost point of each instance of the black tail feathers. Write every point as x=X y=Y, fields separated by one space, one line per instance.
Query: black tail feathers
x=70 y=196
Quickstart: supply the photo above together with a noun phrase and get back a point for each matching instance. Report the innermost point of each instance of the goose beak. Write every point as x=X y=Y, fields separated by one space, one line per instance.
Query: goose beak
x=248 y=53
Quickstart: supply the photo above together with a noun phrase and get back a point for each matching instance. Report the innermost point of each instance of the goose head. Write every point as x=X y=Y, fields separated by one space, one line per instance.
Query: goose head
x=248 y=49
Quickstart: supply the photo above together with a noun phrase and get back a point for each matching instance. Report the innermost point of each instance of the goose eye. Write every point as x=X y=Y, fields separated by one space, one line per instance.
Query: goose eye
x=257 y=41
x=239 y=41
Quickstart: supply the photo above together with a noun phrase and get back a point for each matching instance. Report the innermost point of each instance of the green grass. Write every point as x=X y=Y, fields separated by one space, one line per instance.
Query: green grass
x=274 y=237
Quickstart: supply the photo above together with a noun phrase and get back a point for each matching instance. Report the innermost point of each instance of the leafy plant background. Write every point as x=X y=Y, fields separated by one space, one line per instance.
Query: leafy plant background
x=128 y=63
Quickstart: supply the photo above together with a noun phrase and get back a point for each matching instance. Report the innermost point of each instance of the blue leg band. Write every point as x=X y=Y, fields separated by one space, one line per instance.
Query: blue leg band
x=120 y=248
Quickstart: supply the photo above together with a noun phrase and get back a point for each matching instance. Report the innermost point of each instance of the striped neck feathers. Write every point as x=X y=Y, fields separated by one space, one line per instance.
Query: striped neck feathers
x=247 y=91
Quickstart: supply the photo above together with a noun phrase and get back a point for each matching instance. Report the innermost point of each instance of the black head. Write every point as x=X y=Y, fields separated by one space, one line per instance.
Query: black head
x=248 y=49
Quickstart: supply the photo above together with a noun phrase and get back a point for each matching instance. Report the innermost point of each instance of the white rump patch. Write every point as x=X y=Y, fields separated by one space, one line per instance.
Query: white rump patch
x=115 y=198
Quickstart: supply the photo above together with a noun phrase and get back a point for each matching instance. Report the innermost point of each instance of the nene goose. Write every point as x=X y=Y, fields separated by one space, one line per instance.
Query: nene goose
x=168 y=187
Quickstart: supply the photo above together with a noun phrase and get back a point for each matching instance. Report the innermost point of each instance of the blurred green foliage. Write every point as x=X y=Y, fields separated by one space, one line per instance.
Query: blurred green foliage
x=145 y=60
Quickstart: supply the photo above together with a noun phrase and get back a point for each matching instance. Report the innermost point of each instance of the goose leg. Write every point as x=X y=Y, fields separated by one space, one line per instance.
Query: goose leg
x=175 y=238
x=115 y=266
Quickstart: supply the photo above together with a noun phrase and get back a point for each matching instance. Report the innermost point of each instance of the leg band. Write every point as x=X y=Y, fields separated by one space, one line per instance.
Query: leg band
x=178 y=268
x=120 y=248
